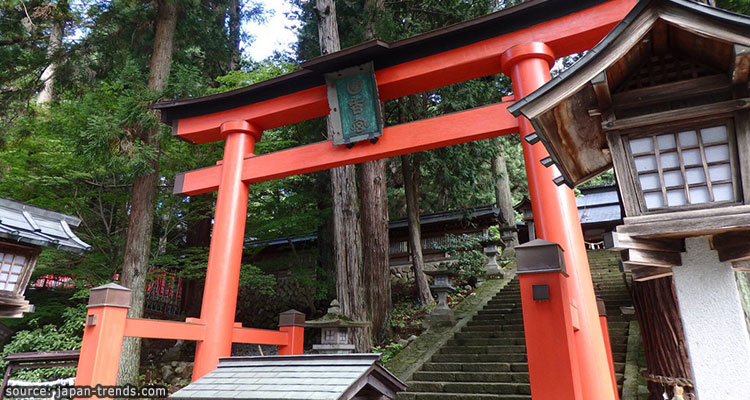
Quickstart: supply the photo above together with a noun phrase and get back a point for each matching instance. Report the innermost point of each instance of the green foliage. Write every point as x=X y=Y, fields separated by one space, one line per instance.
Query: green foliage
x=738 y=6
x=407 y=317
x=388 y=351
x=66 y=336
x=466 y=252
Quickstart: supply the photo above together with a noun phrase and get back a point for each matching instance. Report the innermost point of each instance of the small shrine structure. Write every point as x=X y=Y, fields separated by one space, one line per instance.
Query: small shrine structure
x=311 y=376
x=664 y=100
x=24 y=231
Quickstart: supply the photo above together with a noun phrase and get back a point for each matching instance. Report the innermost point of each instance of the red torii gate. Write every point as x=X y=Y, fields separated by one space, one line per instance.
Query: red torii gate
x=565 y=346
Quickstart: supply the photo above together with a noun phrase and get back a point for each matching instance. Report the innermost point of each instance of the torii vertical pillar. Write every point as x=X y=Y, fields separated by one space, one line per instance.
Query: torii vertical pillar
x=225 y=256
x=556 y=220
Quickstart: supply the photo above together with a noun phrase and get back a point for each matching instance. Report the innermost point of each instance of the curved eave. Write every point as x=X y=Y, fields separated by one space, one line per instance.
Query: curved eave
x=382 y=54
x=568 y=89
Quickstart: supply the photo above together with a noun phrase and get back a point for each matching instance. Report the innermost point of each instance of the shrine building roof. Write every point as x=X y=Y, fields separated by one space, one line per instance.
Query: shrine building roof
x=310 y=376
x=618 y=74
x=23 y=223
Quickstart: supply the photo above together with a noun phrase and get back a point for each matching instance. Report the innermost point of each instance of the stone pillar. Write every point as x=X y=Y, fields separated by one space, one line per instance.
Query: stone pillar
x=713 y=321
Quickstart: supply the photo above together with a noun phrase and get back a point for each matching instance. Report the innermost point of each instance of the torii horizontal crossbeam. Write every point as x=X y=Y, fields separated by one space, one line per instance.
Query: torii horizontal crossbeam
x=570 y=34
x=446 y=130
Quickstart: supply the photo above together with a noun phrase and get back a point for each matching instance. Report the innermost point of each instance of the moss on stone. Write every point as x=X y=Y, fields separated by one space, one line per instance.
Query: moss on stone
x=410 y=359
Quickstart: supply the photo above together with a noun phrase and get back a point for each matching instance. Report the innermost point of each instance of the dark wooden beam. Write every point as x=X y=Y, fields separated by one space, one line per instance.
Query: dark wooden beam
x=667 y=92
x=651 y=258
x=732 y=246
x=682 y=224
x=740 y=72
x=621 y=241
x=743 y=266
x=722 y=107
x=645 y=273
x=601 y=89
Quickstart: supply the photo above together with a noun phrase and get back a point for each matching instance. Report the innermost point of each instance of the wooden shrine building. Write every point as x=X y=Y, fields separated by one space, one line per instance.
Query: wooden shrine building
x=24 y=230
x=664 y=99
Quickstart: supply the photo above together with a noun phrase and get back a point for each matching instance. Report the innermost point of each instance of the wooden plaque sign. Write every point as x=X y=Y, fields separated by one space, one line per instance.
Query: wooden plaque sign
x=355 y=105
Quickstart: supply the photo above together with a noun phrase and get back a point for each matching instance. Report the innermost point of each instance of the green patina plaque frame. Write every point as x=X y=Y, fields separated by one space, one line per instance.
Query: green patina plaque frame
x=354 y=105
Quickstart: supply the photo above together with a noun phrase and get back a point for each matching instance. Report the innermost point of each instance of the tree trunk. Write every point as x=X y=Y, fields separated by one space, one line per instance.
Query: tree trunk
x=410 y=168
x=140 y=224
x=347 y=241
x=234 y=9
x=55 y=41
x=373 y=195
x=375 y=249
x=502 y=193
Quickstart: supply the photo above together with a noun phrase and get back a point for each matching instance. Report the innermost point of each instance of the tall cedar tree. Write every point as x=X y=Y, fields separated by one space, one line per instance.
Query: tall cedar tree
x=140 y=224
x=373 y=195
x=347 y=241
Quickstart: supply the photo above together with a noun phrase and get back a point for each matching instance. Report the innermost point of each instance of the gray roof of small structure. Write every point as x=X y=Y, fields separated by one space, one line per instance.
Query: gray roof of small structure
x=319 y=376
x=27 y=224
x=599 y=204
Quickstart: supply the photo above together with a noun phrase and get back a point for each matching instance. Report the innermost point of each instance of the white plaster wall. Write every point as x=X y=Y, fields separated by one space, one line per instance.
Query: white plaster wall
x=713 y=321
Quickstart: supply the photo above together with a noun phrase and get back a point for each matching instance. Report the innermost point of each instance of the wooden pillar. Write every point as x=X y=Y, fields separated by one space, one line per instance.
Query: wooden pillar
x=224 y=257
x=556 y=219
x=103 y=335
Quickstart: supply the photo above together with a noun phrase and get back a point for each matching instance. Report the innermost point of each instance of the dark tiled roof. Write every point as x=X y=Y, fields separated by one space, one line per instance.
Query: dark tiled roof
x=424 y=220
x=528 y=13
x=33 y=225
x=322 y=377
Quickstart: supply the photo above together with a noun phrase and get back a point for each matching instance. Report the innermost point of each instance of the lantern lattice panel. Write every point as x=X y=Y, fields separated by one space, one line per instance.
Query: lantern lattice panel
x=686 y=167
x=11 y=270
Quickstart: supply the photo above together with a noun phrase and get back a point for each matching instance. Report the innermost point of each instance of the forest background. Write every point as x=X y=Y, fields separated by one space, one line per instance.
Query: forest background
x=77 y=136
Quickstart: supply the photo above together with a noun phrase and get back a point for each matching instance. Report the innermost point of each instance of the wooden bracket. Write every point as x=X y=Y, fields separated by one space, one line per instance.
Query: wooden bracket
x=740 y=71
x=641 y=274
x=646 y=259
x=621 y=241
x=732 y=246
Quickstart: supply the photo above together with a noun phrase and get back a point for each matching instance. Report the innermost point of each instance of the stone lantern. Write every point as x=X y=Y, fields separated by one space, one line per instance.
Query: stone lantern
x=334 y=337
x=441 y=285
x=492 y=268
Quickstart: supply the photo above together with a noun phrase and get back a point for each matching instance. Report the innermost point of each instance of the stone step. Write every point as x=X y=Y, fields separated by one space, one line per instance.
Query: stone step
x=619 y=348
x=510 y=325
x=432 y=376
x=470 y=387
x=503 y=316
x=482 y=349
x=461 y=341
x=476 y=367
x=480 y=328
x=505 y=310
x=489 y=334
x=619 y=367
x=460 y=396
x=500 y=311
x=482 y=358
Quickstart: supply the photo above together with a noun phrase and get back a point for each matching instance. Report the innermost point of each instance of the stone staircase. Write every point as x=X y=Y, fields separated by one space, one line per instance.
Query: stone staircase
x=487 y=358
x=610 y=286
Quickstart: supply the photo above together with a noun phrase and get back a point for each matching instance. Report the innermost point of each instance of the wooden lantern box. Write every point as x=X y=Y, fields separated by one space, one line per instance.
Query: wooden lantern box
x=664 y=100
